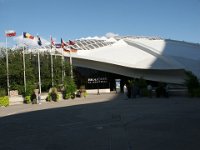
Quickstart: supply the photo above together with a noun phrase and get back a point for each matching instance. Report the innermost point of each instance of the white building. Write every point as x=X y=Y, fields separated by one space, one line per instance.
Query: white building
x=151 y=58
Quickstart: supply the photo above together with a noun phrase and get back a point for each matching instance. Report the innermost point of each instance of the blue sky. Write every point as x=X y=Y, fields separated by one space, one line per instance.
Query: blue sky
x=72 y=19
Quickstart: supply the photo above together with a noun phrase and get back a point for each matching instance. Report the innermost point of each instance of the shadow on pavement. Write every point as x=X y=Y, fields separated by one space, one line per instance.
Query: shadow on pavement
x=116 y=124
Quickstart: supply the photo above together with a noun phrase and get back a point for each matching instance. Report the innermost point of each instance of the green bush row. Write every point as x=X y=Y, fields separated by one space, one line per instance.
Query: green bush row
x=4 y=101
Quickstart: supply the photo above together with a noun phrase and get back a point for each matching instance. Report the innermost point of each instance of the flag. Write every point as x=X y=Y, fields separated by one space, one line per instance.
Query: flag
x=70 y=50
x=58 y=45
x=39 y=41
x=63 y=44
x=66 y=50
x=71 y=43
x=52 y=42
x=28 y=35
x=10 y=33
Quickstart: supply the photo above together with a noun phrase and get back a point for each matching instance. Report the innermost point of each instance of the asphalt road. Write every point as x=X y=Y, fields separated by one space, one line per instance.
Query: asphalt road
x=103 y=122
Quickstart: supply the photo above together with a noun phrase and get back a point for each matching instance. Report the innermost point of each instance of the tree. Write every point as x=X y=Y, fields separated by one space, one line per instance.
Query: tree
x=16 y=70
x=192 y=84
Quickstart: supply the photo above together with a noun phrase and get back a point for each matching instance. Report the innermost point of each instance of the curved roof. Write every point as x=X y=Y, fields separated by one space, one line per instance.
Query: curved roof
x=152 y=58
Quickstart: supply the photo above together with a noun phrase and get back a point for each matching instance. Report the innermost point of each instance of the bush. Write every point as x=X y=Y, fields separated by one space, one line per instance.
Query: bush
x=53 y=95
x=85 y=93
x=67 y=96
x=48 y=98
x=4 y=101
x=27 y=100
x=70 y=89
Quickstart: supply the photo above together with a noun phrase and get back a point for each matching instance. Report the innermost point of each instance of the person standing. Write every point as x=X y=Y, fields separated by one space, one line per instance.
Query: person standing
x=125 y=89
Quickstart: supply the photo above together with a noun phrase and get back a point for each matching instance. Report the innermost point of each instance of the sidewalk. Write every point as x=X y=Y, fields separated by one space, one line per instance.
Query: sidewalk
x=22 y=108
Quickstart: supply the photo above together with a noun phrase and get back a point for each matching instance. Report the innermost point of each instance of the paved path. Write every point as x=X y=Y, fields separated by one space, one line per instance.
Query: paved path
x=103 y=122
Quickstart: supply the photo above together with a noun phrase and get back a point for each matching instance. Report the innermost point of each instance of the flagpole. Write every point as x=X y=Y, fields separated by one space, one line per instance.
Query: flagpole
x=24 y=65
x=7 y=69
x=39 y=73
x=70 y=60
x=51 y=66
x=62 y=67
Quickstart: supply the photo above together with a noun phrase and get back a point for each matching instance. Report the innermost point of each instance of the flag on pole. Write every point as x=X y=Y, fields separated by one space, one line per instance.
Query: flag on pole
x=71 y=43
x=52 y=42
x=28 y=35
x=39 y=41
x=63 y=44
x=58 y=45
x=10 y=33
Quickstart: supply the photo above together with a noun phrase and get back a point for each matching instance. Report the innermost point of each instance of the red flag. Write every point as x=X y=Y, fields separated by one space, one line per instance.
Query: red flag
x=52 y=42
x=71 y=43
x=10 y=33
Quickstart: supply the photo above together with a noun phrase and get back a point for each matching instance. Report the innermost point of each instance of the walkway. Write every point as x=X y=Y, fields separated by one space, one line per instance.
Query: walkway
x=103 y=122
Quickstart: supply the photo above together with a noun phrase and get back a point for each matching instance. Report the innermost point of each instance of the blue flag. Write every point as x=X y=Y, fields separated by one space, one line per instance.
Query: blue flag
x=39 y=41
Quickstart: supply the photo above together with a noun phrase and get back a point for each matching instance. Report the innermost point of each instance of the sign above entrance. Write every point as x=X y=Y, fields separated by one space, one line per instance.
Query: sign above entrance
x=97 y=80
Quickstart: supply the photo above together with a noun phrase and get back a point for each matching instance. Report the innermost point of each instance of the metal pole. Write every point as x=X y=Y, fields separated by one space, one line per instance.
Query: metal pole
x=62 y=61
x=51 y=68
x=70 y=60
x=7 y=69
x=24 y=70
x=39 y=73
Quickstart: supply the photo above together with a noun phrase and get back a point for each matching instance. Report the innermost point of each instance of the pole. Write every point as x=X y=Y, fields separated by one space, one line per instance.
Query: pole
x=39 y=77
x=24 y=70
x=70 y=59
x=63 y=72
x=51 y=68
x=7 y=69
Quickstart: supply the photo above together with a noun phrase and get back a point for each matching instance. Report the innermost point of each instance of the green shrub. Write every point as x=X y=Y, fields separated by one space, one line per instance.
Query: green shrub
x=53 y=95
x=70 y=88
x=48 y=98
x=57 y=96
x=85 y=93
x=67 y=96
x=27 y=100
x=4 y=101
